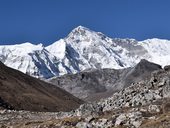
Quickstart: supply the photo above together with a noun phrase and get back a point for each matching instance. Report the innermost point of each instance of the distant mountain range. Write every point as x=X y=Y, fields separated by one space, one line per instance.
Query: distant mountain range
x=83 y=49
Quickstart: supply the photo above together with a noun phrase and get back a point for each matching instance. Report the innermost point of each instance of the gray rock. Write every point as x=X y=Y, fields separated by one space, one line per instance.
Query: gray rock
x=166 y=88
x=153 y=109
x=120 y=119
x=83 y=125
x=89 y=118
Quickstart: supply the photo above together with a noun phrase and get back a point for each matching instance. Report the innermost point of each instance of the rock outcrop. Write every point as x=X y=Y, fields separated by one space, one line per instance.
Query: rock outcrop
x=92 y=85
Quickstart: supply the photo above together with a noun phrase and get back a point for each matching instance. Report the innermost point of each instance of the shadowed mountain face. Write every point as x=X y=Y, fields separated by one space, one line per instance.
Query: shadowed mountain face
x=22 y=92
x=139 y=72
x=93 y=85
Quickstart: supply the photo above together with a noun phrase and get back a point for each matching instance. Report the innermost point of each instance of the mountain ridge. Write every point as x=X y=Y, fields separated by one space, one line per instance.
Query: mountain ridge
x=101 y=83
x=23 y=92
x=83 y=49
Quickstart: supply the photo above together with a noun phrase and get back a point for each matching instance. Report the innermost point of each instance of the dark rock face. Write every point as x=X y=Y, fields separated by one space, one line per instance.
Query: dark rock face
x=93 y=85
x=140 y=72
x=88 y=83
x=167 y=68
x=22 y=92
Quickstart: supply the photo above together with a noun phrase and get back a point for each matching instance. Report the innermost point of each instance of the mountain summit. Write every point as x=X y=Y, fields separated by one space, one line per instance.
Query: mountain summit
x=83 y=49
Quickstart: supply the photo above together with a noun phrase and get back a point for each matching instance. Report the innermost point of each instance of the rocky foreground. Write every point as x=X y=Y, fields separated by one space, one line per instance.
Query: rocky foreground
x=145 y=104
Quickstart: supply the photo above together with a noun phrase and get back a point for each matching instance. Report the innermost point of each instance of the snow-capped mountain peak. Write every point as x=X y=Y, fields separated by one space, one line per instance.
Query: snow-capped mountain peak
x=80 y=33
x=158 y=49
x=28 y=47
x=83 y=49
x=80 y=29
x=32 y=59
x=58 y=48
x=23 y=48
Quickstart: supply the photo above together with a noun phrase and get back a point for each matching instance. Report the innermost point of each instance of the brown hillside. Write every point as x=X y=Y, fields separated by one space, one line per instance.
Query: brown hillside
x=21 y=92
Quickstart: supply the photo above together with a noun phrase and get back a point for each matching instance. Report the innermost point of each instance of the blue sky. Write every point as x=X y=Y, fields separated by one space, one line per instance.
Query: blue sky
x=45 y=21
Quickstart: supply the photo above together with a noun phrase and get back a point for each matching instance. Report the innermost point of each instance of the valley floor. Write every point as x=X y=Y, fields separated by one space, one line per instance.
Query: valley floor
x=155 y=115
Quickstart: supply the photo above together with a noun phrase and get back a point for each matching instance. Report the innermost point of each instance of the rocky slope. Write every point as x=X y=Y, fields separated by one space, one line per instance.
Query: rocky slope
x=143 y=105
x=21 y=92
x=92 y=85
x=83 y=49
